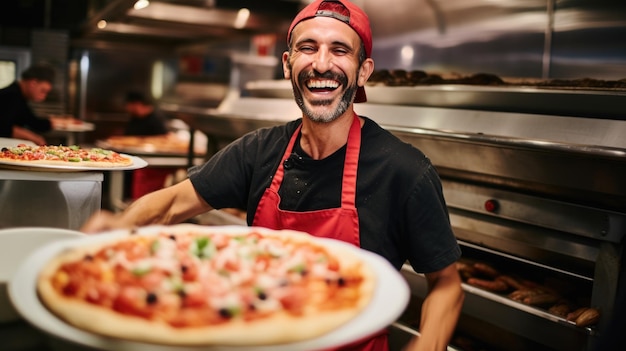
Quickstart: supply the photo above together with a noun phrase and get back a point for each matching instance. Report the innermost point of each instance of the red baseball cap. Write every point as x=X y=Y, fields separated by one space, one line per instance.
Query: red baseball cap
x=350 y=14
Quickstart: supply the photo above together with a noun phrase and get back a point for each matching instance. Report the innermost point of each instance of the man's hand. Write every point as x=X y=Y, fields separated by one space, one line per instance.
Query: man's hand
x=101 y=221
x=23 y=133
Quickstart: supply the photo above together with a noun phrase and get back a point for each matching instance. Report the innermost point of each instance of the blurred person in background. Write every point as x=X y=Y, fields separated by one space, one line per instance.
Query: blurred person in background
x=17 y=119
x=145 y=118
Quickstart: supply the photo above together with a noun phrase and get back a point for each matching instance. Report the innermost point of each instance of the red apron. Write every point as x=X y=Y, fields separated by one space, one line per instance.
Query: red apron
x=337 y=223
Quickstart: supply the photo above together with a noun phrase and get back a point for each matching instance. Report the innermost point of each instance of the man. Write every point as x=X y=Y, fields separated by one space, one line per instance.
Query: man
x=17 y=120
x=144 y=118
x=314 y=174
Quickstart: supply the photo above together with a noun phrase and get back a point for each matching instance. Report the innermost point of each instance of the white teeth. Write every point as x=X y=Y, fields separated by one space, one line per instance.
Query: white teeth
x=322 y=84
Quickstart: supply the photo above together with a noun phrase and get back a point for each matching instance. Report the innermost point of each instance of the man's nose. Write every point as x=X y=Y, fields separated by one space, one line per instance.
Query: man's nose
x=323 y=61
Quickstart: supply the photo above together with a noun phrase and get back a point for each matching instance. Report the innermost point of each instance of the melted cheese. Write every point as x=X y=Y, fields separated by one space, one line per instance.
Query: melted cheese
x=231 y=275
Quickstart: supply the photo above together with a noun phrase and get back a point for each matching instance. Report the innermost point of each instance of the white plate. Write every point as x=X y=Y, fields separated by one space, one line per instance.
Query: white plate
x=12 y=142
x=137 y=163
x=15 y=245
x=389 y=301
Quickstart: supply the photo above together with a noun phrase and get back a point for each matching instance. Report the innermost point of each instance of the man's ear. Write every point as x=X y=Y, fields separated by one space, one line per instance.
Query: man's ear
x=366 y=70
x=286 y=65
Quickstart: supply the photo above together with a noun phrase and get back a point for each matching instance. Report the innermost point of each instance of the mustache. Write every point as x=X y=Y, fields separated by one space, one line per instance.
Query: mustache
x=341 y=78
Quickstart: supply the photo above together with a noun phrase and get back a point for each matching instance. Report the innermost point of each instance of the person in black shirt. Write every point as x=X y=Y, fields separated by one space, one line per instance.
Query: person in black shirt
x=145 y=118
x=17 y=119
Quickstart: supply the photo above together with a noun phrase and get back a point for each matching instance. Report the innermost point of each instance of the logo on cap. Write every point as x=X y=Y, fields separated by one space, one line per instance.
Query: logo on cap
x=335 y=15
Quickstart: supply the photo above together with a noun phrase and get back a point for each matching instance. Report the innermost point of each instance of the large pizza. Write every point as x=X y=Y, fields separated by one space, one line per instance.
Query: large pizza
x=199 y=285
x=61 y=155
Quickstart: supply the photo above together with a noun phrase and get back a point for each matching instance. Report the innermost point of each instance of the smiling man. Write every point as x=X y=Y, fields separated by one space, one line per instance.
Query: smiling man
x=330 y=173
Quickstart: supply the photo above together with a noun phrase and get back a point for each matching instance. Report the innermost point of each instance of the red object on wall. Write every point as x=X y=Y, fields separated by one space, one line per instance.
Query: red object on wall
x=191 y=64
x=492 y=205
x=264 y=44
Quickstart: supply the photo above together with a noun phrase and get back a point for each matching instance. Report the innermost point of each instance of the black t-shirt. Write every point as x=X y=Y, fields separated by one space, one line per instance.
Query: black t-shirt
x=152 y=124
x=402 y=212
x=15 y=111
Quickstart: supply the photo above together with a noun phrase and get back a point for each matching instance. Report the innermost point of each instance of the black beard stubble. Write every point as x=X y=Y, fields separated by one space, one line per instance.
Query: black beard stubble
x=346 y=98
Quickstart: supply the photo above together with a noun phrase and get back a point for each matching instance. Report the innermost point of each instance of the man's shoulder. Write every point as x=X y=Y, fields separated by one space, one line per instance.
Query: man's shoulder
x=379 y=139
x=275 y=132
x=10 y=89
x=380 y=146
x=266 y=139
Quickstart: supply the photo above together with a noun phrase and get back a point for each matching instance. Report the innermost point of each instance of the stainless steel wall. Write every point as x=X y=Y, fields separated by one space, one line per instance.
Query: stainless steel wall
x=106 y=75
x=103 y=77
x=512 y=38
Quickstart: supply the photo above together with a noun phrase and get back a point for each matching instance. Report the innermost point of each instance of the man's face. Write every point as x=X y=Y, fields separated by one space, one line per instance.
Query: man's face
x=134 y=108
x=324 y=68
x=37 y=90
x=138 y=109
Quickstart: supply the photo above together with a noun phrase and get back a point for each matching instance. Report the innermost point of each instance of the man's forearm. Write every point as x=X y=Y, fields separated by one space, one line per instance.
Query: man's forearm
x=440 y=312
x=23 y=133
x=166 y=206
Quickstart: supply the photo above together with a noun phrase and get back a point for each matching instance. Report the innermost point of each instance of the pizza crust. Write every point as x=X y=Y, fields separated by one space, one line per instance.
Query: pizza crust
x=86 y=164
x=280 y=328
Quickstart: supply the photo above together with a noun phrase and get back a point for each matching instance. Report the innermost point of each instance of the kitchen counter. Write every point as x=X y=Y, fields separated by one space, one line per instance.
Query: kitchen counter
x=50 y=198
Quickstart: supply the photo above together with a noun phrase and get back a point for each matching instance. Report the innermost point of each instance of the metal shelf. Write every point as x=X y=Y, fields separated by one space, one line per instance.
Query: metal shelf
x=526 y=321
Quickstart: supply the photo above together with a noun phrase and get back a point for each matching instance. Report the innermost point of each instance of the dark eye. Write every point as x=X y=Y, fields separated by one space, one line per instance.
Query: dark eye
x=306 y=49
x=340 y=51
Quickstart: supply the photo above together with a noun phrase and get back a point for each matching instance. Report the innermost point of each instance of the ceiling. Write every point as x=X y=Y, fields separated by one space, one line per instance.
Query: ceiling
x=163 y=22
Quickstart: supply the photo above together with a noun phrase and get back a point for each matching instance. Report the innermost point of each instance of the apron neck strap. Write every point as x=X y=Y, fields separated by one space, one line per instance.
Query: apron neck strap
x=350 y=167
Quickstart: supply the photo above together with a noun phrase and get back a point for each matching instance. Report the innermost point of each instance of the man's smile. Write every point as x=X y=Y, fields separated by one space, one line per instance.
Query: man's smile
x=321 y=85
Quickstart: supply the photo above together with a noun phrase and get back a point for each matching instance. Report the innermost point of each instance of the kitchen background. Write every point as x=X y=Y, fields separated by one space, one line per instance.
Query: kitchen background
x=195 y=51
x=533 y=178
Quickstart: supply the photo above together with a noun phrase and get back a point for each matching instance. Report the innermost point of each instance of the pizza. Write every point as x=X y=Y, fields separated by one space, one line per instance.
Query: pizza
x=25 y=155
x=192 y=285
x=69 y=123
x=167 y=143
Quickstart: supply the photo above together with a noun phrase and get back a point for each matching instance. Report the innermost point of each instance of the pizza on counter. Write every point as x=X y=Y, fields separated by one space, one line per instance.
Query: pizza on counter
x=28 y=155
x=167 y=143
x=69 y=123
x=194 y=285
